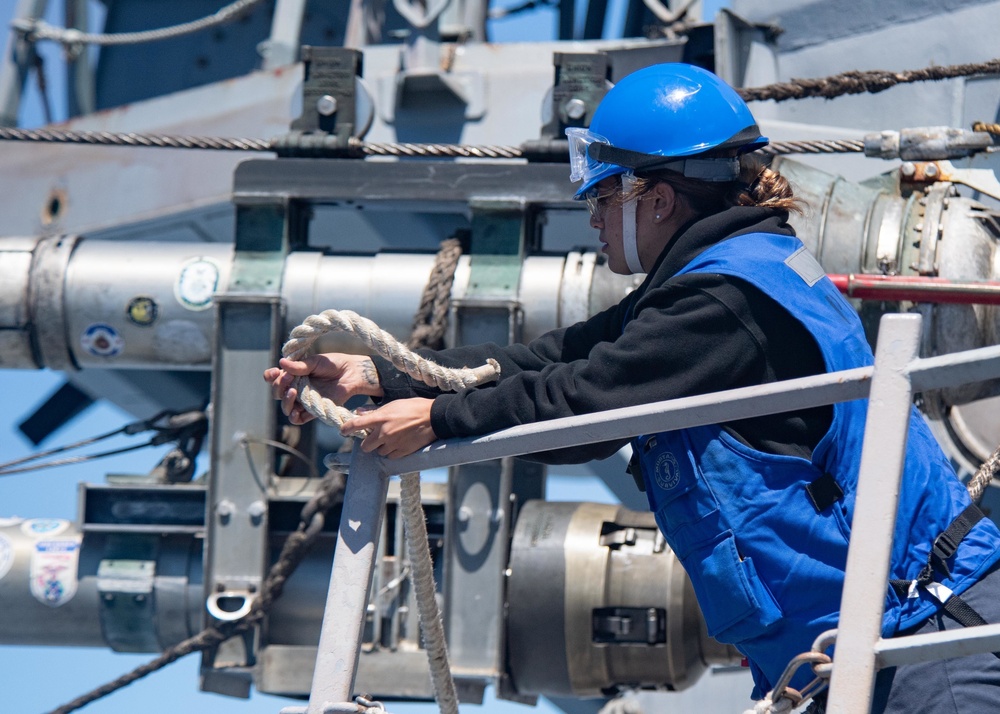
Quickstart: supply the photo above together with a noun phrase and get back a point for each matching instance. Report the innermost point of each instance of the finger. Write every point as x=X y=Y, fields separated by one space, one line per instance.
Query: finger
x=278 y=389
x=288 y=401
x=271 y=374
x=299 y=368
x=300 y=416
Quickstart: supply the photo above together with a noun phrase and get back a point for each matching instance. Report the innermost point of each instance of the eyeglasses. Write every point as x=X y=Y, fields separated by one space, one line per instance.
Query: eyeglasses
x=598 y=201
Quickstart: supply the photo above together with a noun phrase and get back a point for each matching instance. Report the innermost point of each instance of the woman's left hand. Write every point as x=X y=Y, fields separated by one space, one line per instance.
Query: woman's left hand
x=395 y=429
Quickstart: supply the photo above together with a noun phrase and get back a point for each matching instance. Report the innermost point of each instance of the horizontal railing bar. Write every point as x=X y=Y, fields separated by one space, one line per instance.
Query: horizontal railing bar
x=937 y=645
x=942 y=371
x=698 y=410
x=927 y=373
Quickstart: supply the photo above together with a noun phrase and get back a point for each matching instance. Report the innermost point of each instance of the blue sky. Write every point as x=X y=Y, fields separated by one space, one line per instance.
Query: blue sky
x=37 y=679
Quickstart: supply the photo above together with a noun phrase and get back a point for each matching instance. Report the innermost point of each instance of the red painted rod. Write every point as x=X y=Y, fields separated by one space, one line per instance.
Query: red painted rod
x=917 y=289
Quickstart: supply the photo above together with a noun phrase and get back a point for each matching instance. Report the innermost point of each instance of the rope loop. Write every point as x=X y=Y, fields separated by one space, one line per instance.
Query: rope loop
x=382 y=343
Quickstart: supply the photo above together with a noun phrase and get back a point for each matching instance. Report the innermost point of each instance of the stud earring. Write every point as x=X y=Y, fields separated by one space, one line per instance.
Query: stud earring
x=657 y=216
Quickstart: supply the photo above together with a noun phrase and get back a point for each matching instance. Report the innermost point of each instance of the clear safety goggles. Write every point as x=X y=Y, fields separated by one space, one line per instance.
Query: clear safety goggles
x=581 y=166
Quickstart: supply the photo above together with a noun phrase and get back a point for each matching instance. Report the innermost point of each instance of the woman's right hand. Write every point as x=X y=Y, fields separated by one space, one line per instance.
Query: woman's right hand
x=334 y=375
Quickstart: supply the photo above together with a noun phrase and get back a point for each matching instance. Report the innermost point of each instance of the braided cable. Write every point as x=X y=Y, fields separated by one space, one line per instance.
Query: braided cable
x=858 y=82
x=984 y=476
x=989 y=128
x=108 y=138
x=35 y=29
x=814 y=146
x=441 y=151
x=431 y=318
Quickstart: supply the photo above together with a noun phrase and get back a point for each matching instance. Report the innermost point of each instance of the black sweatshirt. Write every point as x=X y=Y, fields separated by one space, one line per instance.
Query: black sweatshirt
x=692 y=334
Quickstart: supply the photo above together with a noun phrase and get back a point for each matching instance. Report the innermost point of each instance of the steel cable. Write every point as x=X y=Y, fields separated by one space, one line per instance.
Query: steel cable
x=34 y=29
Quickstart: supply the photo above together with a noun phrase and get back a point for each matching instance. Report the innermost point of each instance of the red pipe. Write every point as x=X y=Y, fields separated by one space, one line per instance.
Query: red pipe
x=915 y=288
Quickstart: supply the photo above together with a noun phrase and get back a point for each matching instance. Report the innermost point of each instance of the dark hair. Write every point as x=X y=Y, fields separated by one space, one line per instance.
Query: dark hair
x=758 y=185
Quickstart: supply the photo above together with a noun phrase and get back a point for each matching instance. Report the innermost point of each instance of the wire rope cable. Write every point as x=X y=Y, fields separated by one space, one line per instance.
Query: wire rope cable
x=36 y=29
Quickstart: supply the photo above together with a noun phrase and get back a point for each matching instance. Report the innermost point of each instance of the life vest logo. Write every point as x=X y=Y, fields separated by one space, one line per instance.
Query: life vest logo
x=667 y=471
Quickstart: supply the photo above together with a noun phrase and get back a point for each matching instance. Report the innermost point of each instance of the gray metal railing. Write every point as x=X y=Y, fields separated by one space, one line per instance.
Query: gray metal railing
x=897 y=374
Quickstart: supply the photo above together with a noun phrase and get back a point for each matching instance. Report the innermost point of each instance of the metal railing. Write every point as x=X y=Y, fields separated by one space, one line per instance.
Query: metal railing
x=898 y=373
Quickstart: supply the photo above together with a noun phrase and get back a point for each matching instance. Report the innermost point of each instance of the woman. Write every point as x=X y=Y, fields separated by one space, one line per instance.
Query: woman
x=758 y=510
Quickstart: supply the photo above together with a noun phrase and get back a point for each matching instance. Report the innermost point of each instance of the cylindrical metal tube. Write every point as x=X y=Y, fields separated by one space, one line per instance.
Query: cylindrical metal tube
x=917 y=289
x=596 y=600
x=60 y=586
x=68 y=303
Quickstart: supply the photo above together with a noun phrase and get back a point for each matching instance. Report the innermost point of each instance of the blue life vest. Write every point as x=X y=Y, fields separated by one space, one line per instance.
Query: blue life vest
x=766 y=559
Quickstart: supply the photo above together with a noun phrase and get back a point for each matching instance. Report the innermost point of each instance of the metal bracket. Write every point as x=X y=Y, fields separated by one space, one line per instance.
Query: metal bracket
x=329 y=94
x=581 y=81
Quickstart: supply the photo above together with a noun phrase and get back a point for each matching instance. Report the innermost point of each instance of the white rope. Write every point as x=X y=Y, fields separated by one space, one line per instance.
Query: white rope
x=382 y=343
x=421 y=568
x=422 y=578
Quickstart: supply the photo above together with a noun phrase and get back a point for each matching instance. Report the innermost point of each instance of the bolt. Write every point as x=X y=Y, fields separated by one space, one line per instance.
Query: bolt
x=931 y=171
x=139 y=599
x=575 y=108
x=908 y=169
x=225 y=511
x=326 y=105
x=256 y=510
x=464 y=514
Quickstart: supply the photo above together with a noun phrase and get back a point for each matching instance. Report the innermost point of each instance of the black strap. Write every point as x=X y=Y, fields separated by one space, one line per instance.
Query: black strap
x=946 y=544
x=944 y=548
x=824 y=492
x=963 y=612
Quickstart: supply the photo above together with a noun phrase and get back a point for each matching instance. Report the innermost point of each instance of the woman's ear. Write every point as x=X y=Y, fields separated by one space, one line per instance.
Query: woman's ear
x=664 y=201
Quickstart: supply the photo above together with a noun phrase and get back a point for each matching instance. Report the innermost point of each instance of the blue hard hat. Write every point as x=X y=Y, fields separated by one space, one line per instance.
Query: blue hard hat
x=659 y=113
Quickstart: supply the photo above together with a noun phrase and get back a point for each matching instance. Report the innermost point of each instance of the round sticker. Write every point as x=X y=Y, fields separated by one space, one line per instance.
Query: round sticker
x=667 y=472
x=102 y=340
x=44 y=526
x=197 y=283
x=142 y=310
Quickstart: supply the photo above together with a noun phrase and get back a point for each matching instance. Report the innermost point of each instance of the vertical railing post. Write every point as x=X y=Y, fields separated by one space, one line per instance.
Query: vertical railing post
x=868 y=556
x=350 y=583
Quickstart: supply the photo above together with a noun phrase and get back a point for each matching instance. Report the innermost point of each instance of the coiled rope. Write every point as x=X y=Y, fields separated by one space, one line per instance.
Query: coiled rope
x=382 y=343
x=414 y=524
x=34 y=29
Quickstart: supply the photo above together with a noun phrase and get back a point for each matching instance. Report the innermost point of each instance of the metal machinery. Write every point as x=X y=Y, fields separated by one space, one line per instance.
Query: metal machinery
x=180 y=301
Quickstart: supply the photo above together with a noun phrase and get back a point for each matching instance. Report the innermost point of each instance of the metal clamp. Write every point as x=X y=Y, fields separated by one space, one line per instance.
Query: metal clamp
x=220 y=605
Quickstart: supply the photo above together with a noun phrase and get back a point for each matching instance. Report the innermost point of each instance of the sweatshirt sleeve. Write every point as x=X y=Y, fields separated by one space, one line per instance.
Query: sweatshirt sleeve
x=556 y=346
x=681 y=340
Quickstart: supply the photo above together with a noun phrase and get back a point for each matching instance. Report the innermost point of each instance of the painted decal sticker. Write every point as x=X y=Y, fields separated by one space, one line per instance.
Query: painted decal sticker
x=197 y=283
x=47 y=527
x=6 y=556
x=142 y=310
x=102 y=340
x=53 y=571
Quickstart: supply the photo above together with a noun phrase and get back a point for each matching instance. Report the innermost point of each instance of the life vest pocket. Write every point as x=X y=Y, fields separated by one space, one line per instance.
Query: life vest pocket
x=736 y=604
x=678 y=495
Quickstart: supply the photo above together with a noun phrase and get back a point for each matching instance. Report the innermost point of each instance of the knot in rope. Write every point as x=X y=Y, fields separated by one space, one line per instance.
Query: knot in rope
x=385 y=345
